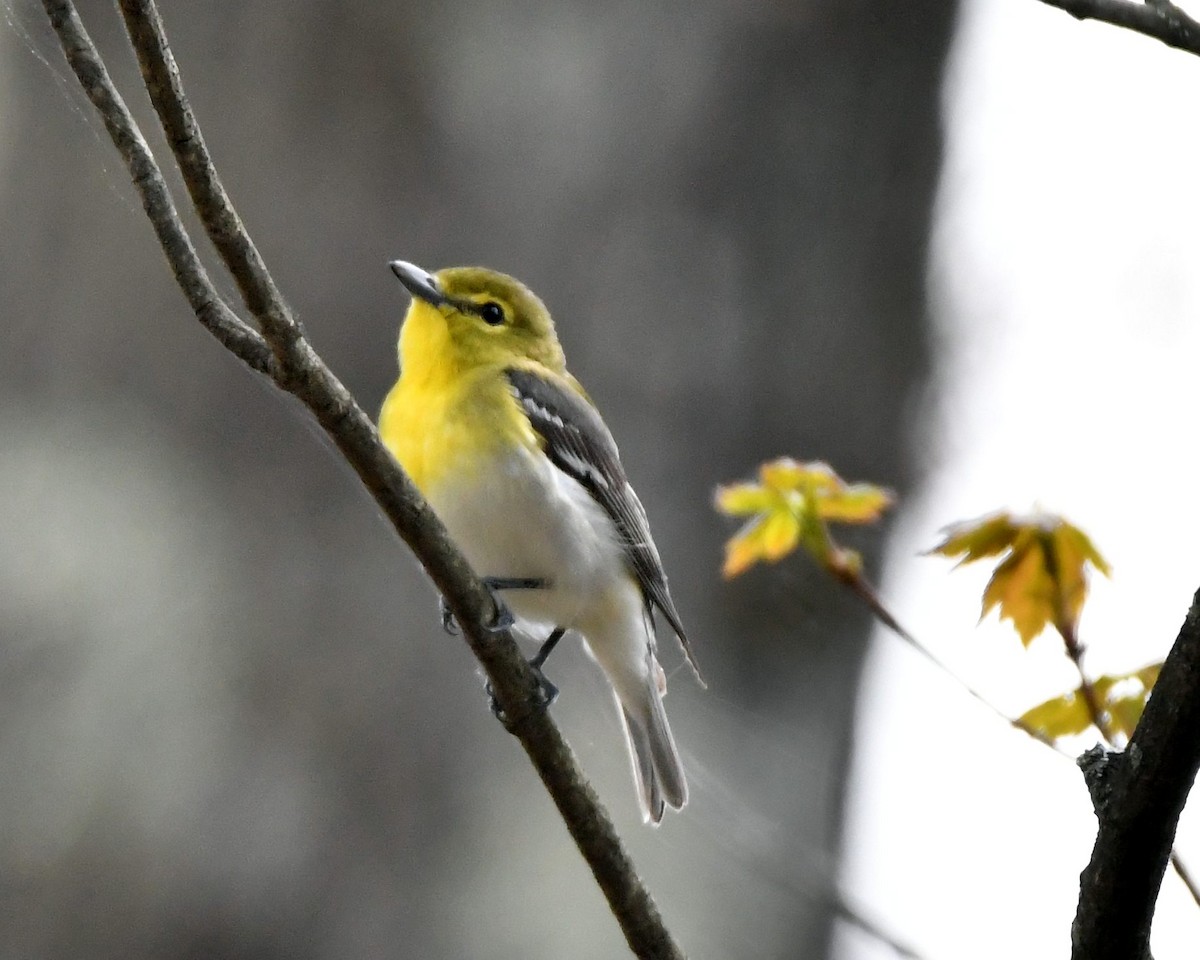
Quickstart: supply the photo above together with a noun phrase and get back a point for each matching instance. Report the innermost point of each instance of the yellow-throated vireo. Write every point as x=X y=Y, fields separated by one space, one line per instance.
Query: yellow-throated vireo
x=518 y=464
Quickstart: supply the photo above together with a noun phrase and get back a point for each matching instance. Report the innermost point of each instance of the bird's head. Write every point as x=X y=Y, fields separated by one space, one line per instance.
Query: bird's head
x=467 y=317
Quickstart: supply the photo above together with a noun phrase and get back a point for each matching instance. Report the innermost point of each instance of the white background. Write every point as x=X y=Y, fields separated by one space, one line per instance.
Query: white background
x=1065 y=292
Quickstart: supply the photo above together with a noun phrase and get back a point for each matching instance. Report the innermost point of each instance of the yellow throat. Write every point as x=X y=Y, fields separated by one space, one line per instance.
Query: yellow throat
x=452 y=408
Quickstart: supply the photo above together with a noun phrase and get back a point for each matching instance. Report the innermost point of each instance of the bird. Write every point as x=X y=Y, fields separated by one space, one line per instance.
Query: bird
x=516 y=461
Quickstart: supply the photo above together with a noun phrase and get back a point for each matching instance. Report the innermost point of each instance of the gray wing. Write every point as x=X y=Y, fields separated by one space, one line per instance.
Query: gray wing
x=580 y=445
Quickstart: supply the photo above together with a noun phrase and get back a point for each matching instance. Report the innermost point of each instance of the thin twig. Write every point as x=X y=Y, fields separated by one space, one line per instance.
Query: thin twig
x=305 y=375
x=1159 y=19
x=1074 y=651
x=1064 y=623
x=1186 y=876
x=864 y=590
x=849 y=915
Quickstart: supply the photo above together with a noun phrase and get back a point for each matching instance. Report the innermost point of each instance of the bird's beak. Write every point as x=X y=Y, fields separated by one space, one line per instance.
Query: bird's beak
x=420 y=283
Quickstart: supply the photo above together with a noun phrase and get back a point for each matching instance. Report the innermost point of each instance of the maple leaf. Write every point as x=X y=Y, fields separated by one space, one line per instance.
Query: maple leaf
x=1125 y=697
x=1121 y=698
x=1057 y=717
x=1041 y=579
x=791 y=505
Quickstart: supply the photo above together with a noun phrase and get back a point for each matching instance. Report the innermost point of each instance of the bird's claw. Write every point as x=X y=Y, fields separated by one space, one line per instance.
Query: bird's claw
x=545 y=693
x=449 y=624
x=504 y=617
x=502 y=621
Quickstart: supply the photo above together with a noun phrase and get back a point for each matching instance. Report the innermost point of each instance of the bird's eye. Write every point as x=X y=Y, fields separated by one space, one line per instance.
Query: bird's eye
x=492 y=313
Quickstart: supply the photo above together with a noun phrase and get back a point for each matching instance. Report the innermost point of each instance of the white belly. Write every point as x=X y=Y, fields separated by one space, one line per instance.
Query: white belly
x=522 y=517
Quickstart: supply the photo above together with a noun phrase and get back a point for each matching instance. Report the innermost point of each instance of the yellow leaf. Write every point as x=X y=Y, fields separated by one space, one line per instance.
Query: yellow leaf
x=769 y=537
x=1149 y=675
x=856 y=503
x=986 y=536
x=741 y=551
x=1041 y=579
x=1058 y=717
x=784 y=474
x=1125 y=712
x=780 y=533
x=788 y=507
x=1125 y=695
x=743 y=499
x=1120 y=696
x=1024 y=592
x=1081 y=546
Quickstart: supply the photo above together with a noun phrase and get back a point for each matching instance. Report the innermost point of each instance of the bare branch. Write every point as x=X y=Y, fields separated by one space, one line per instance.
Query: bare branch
x=1185 y=875
x=205 y=301
x=863 y=589
x=1138 y=795
x=1159 y=19
x=221 y=221
x=849 y=915
x=304 y=374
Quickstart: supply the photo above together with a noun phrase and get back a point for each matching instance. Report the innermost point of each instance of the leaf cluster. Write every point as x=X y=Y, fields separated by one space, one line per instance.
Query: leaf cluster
x=1042 y=578
x=791 y=505
x=1122 y=697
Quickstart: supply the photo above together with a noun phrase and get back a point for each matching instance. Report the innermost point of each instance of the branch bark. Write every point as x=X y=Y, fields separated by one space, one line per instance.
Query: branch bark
x=216 y=315
x=1138 y=795
x=283 y=353
x=1159 y=19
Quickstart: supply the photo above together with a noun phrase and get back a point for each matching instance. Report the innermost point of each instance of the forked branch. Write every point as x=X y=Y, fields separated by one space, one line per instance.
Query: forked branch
x=283 y=353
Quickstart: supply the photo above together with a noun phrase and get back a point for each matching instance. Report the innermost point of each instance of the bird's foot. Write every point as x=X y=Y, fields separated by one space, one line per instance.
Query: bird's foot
x=545 y=693
x=504 y=618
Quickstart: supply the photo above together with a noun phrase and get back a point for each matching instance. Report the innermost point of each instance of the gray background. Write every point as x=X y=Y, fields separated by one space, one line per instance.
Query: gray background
x=229 y=723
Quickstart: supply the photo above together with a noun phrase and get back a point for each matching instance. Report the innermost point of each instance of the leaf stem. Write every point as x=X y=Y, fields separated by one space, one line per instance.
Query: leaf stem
x=1096 y=713
x=866 y=592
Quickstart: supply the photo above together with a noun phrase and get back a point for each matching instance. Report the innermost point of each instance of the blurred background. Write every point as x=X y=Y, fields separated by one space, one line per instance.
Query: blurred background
x=230 y=725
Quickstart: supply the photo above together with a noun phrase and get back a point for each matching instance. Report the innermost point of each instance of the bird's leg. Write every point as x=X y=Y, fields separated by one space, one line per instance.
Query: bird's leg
x=547 y=692
x=504 y=617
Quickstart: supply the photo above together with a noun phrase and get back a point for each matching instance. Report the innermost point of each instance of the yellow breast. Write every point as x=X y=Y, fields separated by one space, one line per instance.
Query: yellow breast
x=455 y=427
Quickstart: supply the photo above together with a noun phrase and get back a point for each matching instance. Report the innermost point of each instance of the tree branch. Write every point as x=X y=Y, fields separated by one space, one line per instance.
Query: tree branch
x=862 y=588
x=221 y=221
x=866 y=592
x=202 y=296
x=1159 y=19
x=296 y=368
x=1138 y=795
x=1074 y=651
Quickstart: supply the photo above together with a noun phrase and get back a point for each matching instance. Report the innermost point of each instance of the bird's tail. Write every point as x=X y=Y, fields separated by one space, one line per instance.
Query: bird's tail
x=656 y=765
